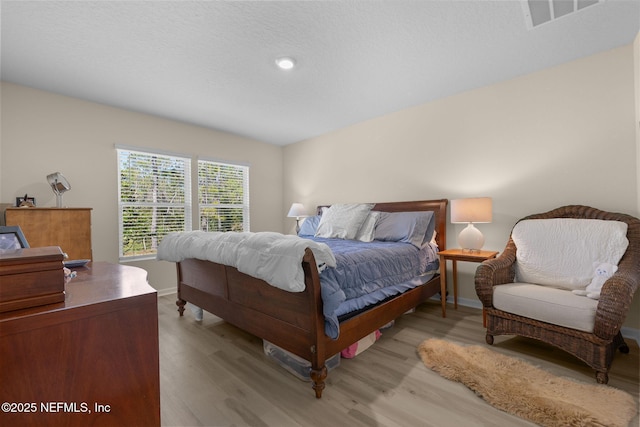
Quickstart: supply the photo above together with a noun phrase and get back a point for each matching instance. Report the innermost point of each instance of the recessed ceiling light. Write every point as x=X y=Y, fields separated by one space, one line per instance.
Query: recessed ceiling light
x=285 y=63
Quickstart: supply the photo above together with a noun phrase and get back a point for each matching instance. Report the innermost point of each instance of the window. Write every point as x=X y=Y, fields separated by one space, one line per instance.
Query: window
x=223 y=196
x=154 y=200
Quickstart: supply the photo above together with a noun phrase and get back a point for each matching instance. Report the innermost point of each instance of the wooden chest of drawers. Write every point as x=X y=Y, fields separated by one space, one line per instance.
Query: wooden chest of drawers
x=68 y=228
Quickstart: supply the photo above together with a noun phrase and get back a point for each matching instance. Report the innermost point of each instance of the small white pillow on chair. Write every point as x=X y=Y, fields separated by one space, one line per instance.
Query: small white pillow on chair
x=560 y=252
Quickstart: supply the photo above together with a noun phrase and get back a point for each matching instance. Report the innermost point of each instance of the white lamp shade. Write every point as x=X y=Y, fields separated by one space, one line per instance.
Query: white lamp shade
x=475 y=210
x=297 y=210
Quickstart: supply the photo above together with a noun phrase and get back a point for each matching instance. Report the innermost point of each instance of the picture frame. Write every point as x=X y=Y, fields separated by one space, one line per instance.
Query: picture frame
x=12 y=238
x=31 y=201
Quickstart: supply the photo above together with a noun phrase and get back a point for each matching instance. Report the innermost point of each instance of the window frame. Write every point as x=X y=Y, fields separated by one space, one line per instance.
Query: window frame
x=244 y=205
x=186 y=204
x=192 y=206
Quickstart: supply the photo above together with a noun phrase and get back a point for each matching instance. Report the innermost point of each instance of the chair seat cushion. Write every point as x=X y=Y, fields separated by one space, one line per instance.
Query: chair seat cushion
x=552 y=305
x=561 y=252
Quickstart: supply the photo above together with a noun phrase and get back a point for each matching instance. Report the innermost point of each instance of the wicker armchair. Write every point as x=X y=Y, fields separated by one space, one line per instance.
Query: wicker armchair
x=595 y=349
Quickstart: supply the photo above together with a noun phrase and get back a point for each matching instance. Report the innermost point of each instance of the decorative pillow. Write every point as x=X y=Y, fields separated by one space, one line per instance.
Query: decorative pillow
x=309 y=226
x=560 y=252
x=343 y=221
x=367 y=229
x=410 y=227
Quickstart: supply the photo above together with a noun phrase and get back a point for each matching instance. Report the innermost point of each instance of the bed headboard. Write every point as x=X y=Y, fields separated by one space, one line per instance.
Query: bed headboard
x=439 y=208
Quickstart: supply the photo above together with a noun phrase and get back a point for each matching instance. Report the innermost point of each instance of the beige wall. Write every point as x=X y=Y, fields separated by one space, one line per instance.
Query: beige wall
x=44 y=133
x=564 y=135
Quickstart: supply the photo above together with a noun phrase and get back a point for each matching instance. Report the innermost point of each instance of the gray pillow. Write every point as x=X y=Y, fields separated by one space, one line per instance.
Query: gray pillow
x=410 y=227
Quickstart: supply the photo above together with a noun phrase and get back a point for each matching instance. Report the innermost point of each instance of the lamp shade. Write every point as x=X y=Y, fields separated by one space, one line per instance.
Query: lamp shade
x=473 y=210
x=297 y=210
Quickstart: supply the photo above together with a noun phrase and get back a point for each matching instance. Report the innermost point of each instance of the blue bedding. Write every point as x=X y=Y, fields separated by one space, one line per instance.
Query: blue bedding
x=369 y=272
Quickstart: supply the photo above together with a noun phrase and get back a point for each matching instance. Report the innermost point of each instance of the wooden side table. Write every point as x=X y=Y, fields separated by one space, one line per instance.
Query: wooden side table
x=456 y=255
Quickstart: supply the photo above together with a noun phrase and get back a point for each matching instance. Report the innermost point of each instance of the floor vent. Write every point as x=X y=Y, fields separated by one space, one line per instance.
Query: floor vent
x=538 y=12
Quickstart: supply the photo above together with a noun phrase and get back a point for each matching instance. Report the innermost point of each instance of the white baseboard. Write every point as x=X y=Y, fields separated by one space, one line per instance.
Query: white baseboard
x=629 y=333
x=165 y=292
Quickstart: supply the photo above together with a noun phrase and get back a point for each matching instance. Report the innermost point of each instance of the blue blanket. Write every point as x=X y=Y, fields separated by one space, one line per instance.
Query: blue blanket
x=367 y=273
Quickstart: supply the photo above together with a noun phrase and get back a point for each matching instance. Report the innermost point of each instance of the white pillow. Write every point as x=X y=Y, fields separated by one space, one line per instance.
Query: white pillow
x=560 y=252
x=343 y=221
x=368 y=227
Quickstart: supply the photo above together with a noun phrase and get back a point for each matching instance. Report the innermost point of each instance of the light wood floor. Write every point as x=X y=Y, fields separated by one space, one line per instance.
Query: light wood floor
x=213 y=374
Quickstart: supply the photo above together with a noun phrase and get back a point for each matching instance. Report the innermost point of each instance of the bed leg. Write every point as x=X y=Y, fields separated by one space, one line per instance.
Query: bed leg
x=318 y=377
x=181 y=303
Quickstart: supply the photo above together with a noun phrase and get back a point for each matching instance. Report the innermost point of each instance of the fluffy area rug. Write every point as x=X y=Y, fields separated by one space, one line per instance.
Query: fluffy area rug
x=521 y=389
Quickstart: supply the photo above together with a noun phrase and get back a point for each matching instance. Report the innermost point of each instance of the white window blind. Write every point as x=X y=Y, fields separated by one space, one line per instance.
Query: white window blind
x=154 y=194
x=223 y=196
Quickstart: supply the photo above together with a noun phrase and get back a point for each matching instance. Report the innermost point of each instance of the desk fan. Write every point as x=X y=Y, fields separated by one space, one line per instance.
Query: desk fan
x=59 y=185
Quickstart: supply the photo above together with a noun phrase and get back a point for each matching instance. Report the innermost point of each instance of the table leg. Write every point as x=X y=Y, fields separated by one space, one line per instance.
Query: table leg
x=443 y=285
x=455 y=284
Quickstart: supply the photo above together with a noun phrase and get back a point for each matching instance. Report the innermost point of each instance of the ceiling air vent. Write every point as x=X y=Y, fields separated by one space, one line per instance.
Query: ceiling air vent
x=538 y=12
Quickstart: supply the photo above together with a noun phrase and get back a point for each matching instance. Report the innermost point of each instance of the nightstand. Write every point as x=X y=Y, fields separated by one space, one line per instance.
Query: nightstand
x=456 y=255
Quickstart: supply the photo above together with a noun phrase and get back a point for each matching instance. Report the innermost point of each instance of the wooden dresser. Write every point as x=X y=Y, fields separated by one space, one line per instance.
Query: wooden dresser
x=68 y=228
x=90 y=360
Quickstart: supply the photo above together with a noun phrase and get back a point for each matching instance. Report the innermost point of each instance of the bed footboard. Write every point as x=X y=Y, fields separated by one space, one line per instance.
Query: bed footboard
x=290 y=320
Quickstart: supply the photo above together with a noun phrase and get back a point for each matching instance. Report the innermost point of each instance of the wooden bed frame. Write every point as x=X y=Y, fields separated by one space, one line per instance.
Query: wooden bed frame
x=294 y=321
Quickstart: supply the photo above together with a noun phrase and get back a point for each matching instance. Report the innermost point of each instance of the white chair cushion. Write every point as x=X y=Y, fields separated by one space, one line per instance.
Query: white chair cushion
x=556 y=306
x=560 y=252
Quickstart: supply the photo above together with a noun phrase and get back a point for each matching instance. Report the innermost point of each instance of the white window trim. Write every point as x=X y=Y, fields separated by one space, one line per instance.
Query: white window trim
x=187 y=205
x=245 y=204
x=192 y=211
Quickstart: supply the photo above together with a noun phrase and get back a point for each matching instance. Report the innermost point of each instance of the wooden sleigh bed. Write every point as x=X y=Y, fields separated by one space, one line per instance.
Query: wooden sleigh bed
x=294 y=321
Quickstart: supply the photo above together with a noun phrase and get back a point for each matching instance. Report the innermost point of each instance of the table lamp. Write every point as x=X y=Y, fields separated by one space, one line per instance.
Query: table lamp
x=298 y=211
x=470 y=211
x=59 y=185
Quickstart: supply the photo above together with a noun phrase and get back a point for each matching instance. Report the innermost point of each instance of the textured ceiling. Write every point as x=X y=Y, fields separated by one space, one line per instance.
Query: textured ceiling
x=211 y=63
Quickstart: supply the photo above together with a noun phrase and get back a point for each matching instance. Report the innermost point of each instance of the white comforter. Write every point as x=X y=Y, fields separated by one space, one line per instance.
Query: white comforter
x=273 y=257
